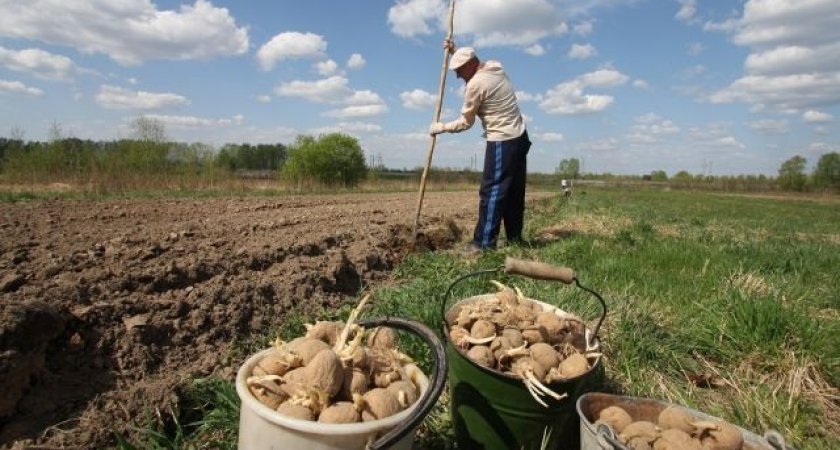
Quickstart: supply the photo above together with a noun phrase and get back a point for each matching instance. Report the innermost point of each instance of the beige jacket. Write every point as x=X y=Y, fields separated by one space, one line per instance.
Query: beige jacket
x=491 y=97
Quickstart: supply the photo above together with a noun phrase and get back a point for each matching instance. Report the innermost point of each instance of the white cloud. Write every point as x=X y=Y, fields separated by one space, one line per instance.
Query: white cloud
x=184 y=122
x=535 y=50
x=695 y=48
x=409 y=18
x=794 y=60
x=728 y=141
x=370 y=110
x=326 y=68
x=821 y=148
x=822 y=130
x=687 y=10
x=356 y=61
x=16 y=87
x=327 y=90
x=788 y=22
x=812 y=116
x=603 y=78
x=38 y=62
x=334 y=90
x=582 y=51
x=715 y=135
x=569 y=97
x=417 y=99
x=783 y=92
x=290 y=45
x=583 y=28
x=508 y=22
x=727 y=26
x=128 y=31
x=523 y=96
x=113 y=97
x=549 y=137
x=694 y=71
x=641 y=84
x=264 y=98
x=348 y=127
x=599 y=145
x=769 y=126
x=362 y=98
x=359 y=126
x=520 y=23
x=650 y=128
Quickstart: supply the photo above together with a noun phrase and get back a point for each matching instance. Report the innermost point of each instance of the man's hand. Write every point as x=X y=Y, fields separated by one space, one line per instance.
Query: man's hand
x=436 y=128
x=449 y=45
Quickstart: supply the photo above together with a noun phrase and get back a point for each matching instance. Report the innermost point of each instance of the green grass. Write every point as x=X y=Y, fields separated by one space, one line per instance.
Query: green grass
x=742 y=290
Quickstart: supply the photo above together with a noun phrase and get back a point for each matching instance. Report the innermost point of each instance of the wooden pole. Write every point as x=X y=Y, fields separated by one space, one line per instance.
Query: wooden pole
x=433 y=140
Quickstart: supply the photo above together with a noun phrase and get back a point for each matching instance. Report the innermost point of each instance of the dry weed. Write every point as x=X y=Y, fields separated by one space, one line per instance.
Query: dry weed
x=586 y=224
x=750 y=284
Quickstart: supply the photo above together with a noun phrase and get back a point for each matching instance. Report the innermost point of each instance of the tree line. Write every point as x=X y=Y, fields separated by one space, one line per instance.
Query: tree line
x=792 y=176
x=330 y=159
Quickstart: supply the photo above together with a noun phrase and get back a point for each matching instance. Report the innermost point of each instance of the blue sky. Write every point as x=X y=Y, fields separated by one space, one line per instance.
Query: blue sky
x=626 y=86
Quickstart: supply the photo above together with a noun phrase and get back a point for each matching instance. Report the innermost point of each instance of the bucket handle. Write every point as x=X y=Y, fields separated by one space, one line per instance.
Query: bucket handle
x=438 y=379
x=538 y=271
x=607 y=433
x=776 y=440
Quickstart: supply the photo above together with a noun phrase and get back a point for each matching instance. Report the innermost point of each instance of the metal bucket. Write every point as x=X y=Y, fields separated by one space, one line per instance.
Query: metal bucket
x=601 y=437
x=493 y=410
x=260 y=427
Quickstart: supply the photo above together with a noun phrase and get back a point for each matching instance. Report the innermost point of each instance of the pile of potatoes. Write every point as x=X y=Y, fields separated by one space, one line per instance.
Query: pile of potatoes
x=333 y=375
x=675 y=429
x=509 y=333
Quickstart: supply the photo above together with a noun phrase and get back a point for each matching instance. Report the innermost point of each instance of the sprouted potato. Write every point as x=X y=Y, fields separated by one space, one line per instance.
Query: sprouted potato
x=331 y=376
x=512 y=334
x=675 y=429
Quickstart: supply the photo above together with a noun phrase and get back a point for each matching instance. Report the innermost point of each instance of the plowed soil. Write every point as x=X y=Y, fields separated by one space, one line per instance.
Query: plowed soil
x=105 y=306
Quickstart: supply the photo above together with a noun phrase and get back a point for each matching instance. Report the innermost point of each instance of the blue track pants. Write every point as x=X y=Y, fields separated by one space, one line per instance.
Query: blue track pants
x=502 y=193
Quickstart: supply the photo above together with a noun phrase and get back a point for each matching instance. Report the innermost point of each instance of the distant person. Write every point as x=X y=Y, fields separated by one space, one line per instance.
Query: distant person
x=564 y=183
x=490 y=96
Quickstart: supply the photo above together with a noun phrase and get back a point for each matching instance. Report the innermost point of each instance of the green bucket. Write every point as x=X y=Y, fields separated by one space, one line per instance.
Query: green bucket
x=494 y=410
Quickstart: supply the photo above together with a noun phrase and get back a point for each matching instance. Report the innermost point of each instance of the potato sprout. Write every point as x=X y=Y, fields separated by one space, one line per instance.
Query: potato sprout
x=337 y=373
x=515 y=335
x=676 y=429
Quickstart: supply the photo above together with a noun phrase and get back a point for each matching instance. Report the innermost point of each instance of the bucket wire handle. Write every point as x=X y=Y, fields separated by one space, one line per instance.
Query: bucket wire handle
x=776 y=440
x=607 y=433
x=542 y=271
x=436 y=384
x=538 y=271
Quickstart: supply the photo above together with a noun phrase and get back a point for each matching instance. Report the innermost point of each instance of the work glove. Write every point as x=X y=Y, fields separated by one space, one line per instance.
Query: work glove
x=449 y=45
x=436 y=128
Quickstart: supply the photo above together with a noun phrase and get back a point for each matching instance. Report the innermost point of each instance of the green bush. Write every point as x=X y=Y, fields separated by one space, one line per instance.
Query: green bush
x=331 y=159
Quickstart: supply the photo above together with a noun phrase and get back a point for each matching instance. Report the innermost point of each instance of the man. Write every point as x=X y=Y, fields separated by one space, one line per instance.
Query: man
x=490 y=96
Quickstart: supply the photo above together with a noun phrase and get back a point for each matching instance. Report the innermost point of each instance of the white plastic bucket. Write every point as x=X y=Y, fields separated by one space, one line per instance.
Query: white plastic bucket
x=260 y=427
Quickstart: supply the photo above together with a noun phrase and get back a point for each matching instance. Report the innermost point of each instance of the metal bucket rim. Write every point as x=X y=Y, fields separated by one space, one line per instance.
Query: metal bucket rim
x=748 y=435
x=474 y=298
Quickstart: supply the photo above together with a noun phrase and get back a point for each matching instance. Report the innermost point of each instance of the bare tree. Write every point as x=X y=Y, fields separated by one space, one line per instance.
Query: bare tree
x=145 y=128
x=55 y=133
x=16 y=133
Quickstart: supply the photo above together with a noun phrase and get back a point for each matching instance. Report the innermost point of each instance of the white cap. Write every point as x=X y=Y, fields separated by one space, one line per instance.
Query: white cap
x=460 y=57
